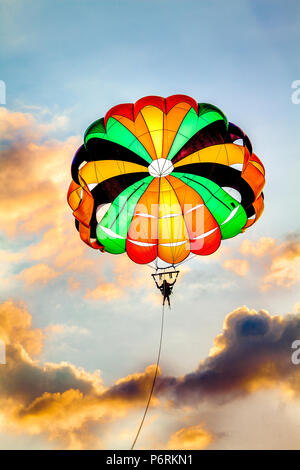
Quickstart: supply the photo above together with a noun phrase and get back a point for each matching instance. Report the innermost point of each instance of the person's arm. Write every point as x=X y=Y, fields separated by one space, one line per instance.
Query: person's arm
x=156 y=282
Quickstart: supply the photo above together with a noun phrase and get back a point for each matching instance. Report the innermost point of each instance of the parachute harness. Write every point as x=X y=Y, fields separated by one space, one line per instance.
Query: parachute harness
x=161 y=277
x=154 y=378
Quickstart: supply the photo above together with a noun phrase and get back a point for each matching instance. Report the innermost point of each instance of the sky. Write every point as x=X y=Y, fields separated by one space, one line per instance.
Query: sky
x=81 y=328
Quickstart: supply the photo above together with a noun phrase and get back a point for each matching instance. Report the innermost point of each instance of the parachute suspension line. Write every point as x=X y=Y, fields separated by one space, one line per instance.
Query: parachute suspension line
x=154 y=377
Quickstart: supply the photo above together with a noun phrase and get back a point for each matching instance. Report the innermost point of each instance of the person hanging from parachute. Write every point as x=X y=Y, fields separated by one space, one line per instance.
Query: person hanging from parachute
x=166 y=290
x=165 y=287
x=164 y=180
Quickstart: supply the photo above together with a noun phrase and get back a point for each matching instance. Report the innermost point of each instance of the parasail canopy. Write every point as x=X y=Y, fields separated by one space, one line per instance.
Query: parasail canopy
x=163 y=179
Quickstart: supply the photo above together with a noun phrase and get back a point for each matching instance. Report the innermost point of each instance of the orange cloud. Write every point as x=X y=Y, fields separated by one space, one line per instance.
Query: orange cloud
x=284 y=270
x=281 y=261
x=190 y=438
x=264 y=246
x=61 y=401
x=126 y=275
x=36 y=201
x=13 y=123
x=297 y=307
x=38 y=274
x=60 y=246
x=39 y=172
x=104 y=290
x=16 y=327
x=238 y=266
x=74 y=409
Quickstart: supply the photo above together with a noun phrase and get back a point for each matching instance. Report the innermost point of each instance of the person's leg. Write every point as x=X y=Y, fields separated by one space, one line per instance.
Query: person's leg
x=168 y=298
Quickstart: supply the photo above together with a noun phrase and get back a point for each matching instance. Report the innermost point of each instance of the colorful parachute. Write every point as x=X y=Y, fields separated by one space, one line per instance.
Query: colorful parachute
x=162 y=179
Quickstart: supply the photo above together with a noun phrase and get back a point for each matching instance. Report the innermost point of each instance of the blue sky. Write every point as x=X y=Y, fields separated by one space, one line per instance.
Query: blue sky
x=75 y=60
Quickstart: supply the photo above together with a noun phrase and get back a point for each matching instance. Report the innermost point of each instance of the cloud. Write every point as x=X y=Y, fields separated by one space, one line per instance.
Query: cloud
x=34 y=180
x=263 y=246
x=125 y=275
x=15 y=124
x=280 y=260
x=74 y=409
x=190 y=438
x=104 y=290
x=58 y=246
x=39 y=171
x=28 y=125
x=61 y=329
x=238 y=266
x=38 y=274
x=61 y=401
x=284 y=270
x=16 y=328
x=252 y=352
x=297 y=307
